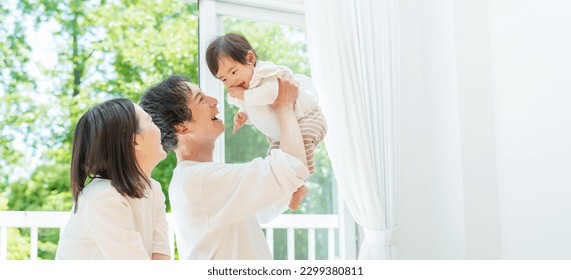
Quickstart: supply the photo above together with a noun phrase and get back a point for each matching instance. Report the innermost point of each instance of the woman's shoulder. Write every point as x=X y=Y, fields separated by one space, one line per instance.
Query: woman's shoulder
x=97 y=192
x=155 y=186
x=154 y=183
x=99 y=186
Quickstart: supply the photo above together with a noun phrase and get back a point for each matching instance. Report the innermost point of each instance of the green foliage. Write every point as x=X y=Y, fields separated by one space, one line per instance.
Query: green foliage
x=146 y=41
x=48 y=189
x=3 y=201
x=104 y=49
x=46 y=245
x=18 y=244
x=14 y=55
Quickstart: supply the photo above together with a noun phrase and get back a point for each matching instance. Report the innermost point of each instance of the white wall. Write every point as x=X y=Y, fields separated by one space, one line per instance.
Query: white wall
x=486 y=138
x=531 y=66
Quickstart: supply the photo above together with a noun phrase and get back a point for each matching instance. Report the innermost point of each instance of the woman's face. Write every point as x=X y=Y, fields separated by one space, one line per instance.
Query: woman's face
x=204 y=114
x=148 y=146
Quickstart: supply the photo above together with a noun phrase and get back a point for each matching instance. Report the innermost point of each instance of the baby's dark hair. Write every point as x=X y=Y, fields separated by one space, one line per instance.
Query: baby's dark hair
x=232 y=45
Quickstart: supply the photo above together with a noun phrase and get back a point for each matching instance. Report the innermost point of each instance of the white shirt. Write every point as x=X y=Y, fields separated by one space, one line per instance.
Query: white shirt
x=214 y=205
x=263 y=91
x=108 y=225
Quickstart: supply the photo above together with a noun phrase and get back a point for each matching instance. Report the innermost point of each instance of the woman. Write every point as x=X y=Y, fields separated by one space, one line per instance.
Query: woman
x=119 y=211
x=215 y=204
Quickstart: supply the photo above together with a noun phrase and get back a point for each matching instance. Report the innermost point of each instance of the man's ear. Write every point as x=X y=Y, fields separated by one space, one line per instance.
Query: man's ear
x=251 y=57
x=182 y=129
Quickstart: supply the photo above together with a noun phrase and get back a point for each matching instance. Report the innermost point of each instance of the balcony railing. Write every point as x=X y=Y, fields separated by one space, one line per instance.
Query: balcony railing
x=35 y=220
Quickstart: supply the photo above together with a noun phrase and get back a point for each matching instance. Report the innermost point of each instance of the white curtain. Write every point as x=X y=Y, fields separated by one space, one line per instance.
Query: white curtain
x=353 y=50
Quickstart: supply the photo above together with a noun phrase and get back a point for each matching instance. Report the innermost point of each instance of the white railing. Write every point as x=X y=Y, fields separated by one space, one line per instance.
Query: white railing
x=54 y=219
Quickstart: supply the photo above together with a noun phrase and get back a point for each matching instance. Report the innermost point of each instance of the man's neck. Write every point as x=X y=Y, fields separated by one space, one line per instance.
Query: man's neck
x=195 y=152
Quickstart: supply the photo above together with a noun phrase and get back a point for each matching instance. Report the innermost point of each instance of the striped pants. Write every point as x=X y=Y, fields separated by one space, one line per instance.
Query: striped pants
x=313 y=130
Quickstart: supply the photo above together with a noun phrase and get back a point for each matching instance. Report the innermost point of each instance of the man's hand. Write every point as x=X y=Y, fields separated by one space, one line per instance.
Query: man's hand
x=287 y=93
x=239 y=120
x=237 y=92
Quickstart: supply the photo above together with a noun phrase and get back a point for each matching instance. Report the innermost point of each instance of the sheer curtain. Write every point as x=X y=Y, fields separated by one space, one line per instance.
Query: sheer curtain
x=353 y=50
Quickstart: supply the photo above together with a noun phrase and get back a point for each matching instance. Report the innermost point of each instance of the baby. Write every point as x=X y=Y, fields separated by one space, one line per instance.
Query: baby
x=252 y=86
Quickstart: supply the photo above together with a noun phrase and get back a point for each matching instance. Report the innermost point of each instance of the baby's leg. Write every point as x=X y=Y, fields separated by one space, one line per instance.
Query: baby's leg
x=297 y=198
x=310 y=154
x=313 y=129
x=302 y=191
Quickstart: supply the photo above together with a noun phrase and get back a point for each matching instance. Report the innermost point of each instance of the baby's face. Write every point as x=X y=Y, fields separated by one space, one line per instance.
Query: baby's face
x=235 y=74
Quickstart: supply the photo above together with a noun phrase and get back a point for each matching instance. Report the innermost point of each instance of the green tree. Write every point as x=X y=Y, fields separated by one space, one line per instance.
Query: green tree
x=104 y=50
x=16 y=108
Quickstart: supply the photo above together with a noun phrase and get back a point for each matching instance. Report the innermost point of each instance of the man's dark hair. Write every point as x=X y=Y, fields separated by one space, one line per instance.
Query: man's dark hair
x=167 y=103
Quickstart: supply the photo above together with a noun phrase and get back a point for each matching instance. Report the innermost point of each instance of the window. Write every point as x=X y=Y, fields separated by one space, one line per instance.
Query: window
x=277 y=35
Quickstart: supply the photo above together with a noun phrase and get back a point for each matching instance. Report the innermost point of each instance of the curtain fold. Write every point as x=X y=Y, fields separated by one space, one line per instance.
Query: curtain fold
x=353 y=50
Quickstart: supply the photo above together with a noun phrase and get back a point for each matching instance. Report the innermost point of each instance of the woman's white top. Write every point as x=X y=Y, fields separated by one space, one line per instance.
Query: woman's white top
x=108 y=225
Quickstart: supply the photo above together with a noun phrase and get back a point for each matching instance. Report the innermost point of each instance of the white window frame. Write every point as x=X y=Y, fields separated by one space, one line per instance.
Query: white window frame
x=273 y=11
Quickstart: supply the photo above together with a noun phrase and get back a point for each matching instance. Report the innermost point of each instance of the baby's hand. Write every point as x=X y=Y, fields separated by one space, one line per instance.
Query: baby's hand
x=297 y=198
x=237 y=92
x=239 y=120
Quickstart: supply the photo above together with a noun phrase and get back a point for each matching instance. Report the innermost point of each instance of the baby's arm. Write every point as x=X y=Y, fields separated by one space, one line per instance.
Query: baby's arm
x=237 y=92
x=264 y=94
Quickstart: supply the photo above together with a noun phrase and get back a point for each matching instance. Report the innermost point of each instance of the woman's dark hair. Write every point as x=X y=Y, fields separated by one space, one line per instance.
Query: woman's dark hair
x=167 y=104
x=103 y=147
x=232 y=45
